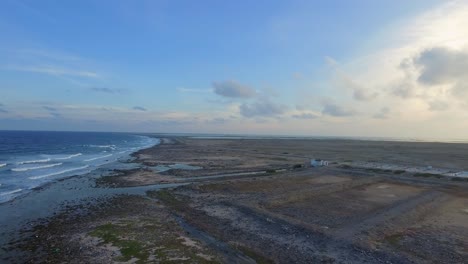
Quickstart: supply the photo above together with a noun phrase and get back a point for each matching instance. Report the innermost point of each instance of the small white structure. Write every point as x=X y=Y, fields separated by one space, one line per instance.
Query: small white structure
x=318 y=162
x=461 y=174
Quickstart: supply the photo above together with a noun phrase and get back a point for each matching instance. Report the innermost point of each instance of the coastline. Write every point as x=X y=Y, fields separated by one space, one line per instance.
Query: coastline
x=202 y=208
x=68 y=155
x=45 y=200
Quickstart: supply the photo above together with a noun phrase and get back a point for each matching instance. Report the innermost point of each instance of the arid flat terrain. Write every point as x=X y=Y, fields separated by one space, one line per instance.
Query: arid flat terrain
x=259 y=201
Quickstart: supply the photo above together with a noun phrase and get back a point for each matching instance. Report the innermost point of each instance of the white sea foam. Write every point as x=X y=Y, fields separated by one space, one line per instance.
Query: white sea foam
x=37 y=167
x=101 y=157
x=2 y=165
x=33 y=161
x=101 y=164
x=57 y=173
x=69 y=157
x=102 y=146
x=11 y=192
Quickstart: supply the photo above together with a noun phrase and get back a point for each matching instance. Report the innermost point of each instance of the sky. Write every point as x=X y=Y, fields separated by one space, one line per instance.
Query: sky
x=359 y=68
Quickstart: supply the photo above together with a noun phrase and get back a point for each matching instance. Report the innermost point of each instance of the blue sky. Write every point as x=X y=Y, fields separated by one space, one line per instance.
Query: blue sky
x=276 y=67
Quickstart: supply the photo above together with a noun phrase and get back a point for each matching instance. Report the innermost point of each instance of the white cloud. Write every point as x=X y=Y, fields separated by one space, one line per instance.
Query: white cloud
x=334 y=109
x=68 y=67
x=49 y=108
x=442 y=65
x=362 y=94
x=417 y=67
x=383 y=113
x=56 y=71
x=263 y=108
x=344 y=82
x=305 y=116
x=140 y=108
x=233 y=89
x=438 y=105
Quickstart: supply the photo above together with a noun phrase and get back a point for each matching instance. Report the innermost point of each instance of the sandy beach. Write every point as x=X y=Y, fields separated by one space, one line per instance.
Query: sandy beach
x=258 y=201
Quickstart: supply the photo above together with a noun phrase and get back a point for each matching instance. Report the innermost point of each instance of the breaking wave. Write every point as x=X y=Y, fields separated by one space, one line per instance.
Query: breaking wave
x=69 y=157
x=103 y=146
x=37 y=167
x=101 y=157
x=33 y=161
x=11 y=192
x=58 y=172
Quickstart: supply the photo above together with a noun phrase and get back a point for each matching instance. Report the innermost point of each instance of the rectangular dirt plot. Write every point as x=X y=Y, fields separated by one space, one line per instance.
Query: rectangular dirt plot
x=428 y=243
x=342 y=207
x=277 y=185
x=440 y=237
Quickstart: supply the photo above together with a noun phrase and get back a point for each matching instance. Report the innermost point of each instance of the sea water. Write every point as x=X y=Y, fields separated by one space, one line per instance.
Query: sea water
x=29 y=159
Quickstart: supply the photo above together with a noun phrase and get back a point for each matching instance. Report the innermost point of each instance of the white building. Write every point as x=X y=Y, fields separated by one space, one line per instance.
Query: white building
x=318 y=162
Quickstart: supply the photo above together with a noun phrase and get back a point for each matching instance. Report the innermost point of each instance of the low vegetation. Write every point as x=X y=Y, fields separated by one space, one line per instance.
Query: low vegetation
x=298 y=166
x=112 y=234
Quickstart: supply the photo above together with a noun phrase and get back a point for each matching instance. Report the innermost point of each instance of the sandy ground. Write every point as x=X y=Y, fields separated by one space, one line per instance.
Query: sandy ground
x=286 y=213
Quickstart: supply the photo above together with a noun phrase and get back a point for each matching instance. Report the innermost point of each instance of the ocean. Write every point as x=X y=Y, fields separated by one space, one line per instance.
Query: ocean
x=29 y=159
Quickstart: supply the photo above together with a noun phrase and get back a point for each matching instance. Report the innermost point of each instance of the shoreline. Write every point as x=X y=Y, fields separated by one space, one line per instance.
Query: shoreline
x=98 y=170
x=210 y=206
x=55 y=196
